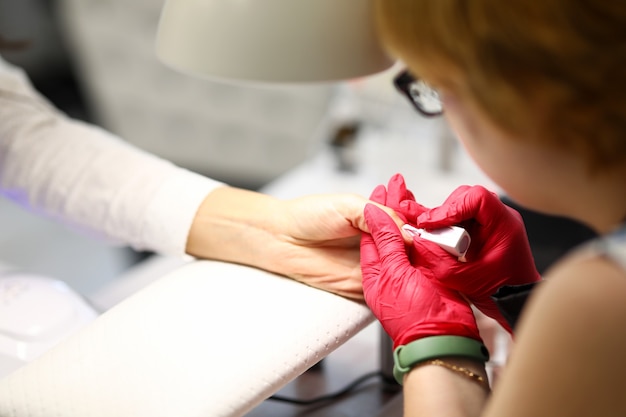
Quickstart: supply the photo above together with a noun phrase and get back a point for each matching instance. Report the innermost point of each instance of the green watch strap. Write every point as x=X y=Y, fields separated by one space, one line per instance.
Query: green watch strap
x=407 y=356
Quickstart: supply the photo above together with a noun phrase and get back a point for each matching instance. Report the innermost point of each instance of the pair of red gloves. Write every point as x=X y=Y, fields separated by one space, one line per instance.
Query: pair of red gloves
x=420 y=290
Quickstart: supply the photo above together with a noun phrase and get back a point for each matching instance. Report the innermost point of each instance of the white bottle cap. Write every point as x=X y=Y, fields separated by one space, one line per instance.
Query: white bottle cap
x=455 y=240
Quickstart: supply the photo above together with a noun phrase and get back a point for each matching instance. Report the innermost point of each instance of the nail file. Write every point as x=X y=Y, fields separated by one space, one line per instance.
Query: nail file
x=454 y=240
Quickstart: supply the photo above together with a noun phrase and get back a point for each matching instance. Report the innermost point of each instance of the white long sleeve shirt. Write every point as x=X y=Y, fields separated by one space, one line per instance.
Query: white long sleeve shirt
x=88 y=178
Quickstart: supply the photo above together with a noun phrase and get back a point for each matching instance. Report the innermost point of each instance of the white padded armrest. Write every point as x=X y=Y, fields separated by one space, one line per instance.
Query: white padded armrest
x=209 y=339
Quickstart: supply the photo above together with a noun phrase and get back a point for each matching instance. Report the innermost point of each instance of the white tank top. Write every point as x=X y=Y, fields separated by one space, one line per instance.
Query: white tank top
x=611 y=246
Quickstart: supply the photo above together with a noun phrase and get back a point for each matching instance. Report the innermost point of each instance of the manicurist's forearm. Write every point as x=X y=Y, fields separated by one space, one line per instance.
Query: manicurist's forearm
x=435 y=390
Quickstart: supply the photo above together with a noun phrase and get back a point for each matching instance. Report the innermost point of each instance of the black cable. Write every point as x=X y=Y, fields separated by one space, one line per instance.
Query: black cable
x=328 y=397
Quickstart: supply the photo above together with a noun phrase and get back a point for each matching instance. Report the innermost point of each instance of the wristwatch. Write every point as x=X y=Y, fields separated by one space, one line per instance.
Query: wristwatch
x=407 y=356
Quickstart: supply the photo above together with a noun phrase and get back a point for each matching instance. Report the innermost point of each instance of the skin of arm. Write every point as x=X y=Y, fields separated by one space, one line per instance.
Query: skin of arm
x=568 y=357
x=312 y=239
x=436 y=391
x=90 y=179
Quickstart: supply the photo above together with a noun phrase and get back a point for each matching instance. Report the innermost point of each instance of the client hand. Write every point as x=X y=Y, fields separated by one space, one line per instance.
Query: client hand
x=408 y=304
x=498 y=255
x=313 y=239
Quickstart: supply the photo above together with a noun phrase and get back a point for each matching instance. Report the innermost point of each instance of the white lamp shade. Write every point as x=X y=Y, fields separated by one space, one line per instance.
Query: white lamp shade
x=271 y=40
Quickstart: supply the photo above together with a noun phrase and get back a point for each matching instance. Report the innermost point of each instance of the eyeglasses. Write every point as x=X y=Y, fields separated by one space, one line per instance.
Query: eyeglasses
x=424 y=98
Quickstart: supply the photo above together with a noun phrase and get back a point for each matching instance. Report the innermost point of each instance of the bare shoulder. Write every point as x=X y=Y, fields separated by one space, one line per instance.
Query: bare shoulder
x=569 y=357
x=585 y=287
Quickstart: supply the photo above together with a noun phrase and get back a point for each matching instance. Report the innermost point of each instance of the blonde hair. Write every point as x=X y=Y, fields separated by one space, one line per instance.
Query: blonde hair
x=553 y=70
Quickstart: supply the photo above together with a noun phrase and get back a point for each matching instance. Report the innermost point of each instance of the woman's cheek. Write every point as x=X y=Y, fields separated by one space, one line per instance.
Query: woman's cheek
x=474 y=134
x=461 y=122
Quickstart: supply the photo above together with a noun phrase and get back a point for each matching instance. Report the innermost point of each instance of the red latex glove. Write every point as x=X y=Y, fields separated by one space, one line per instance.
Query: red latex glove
x=399 y=198
x=395 y=195
x=408 y=304
x=498 y=255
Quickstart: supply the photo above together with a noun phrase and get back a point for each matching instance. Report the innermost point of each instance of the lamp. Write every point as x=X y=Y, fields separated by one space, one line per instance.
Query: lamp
x=271 y=40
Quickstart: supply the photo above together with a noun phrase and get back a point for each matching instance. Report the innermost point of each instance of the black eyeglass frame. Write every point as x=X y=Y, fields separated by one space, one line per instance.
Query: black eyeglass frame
x=403 y=82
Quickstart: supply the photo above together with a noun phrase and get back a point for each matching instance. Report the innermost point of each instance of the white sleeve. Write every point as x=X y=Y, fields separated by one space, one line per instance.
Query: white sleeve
x=90 y=179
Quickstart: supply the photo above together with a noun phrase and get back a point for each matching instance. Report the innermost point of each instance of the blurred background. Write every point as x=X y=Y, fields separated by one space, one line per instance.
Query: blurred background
x=95 y=60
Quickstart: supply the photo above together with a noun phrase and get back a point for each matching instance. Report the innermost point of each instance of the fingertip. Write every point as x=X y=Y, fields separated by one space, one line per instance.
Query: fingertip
x=408 y=237
x=410 y=195
x=397 y=177
x=379 y=195
x=366 y=240
x=412 y=207
x=406 y=205
x=423 y=219
x=370 y=212
x=442 y=216
x=398 y=184
x=461 y=189
x=375 y=211
x=371 y=208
